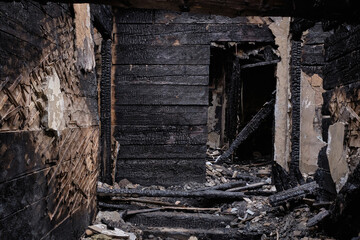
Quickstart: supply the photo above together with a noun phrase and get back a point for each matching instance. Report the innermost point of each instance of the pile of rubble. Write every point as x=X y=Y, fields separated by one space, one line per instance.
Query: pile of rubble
x=235 y=202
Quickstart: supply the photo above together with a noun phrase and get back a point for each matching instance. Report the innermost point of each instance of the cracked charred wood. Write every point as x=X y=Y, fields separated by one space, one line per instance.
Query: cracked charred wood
x=159 y=193
x=254 y=123
x=293 y=193
x=248 y=187
x=318 y=218
x=281 y=178
x=259 y=64
x=224 y=186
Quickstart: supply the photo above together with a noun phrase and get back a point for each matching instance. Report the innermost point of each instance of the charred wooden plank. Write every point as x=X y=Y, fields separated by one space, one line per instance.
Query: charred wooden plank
x=142 y=94
x=248 y=129
x=343 y=70
x=144 y=54
x=343 y=45
x=248 y=187
x=168 y=17
x=190 y=34
x=162 y=80
x=224 y=186
x=160 y=70
x=293 y=193
x=180 y=219
x=162 y=151
x=295 y=75
x=133 y=15
x=313 y=55
x=160 y=135
x=159 y=115
x=160 y=193
x=259 y=64
x=161 y=171
x=316 y=35
x=318 y=218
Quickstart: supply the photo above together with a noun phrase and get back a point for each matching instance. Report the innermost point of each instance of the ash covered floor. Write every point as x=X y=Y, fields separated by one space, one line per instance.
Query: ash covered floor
x=255 y=211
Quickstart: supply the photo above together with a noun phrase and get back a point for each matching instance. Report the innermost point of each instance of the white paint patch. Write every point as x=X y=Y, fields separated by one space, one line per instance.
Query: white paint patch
x=55 y=102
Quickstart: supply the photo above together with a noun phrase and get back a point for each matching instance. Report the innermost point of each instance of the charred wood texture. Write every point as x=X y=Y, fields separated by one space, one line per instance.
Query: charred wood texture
x=248 y=129
x=161 y=90
x=48 y=174
x=295 y=73
x=105 y=112
x=281 y=178
x=160 y=193
x=293 y=194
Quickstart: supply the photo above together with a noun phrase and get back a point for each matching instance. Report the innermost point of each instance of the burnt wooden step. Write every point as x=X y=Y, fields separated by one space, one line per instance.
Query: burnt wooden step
x=180 y=220
x=184 y=234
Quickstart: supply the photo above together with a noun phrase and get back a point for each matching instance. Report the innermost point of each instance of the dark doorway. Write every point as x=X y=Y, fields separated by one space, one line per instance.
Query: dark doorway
x=242 y=79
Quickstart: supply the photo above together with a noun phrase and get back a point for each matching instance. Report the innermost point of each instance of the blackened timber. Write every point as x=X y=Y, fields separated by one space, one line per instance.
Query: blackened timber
x=259 y=64
x=293 y=193
x=161 y=80
x=105 y=112
x=162 y=151
x=160 y=115
x=318 y=218
x=160 y=70
x=142 y=94
x=168 y=17
x=343 y=70
x=247 y=187
x=295 y=75
x=339 y=44
x=160 y=193
x=224 y=186
x=233 y=101
x=145 y=54
x=313 y=55
x=160 y=135
x=190 y=34
x=161 y=171
x=254 y=123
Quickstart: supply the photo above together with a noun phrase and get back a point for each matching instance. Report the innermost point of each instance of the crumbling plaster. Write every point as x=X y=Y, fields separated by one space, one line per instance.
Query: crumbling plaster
x=84 y=41
x=280 y=27
x=311 y=140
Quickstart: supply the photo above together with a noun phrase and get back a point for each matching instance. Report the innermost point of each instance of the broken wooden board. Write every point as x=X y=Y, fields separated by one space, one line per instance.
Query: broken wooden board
x=115 y=233
x=293 y=193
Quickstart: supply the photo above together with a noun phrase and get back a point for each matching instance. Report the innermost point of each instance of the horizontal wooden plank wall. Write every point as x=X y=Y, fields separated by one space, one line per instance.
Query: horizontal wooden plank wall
x=47 y=177
x=160 y=90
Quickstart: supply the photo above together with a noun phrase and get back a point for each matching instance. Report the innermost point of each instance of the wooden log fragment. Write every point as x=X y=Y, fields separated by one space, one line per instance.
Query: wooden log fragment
x=248 y=187
x=159 y=193
x=318 y=218
x=293 y=193
x=248 y=129
x=259 y=64
x=223 y=186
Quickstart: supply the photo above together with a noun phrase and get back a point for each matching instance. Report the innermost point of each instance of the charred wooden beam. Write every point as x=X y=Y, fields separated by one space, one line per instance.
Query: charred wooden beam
x=224 y=186
x=260 y=64
x=105 y=112
x=159 y=193
x=318 y=218
x=295 y=174
x=293 y=193
x=248 y=187
x=254 y=123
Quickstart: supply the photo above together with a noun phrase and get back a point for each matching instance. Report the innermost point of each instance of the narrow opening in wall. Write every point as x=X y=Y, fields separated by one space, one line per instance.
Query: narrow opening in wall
x=242 y=79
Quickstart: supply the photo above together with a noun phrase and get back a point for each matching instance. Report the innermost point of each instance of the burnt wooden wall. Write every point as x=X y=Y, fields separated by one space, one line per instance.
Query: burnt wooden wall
x=342 y=84
x=160 y=90
x=47 y=178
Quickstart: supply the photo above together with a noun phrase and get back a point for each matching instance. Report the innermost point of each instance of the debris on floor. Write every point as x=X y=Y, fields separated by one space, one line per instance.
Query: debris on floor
x=235 y=202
